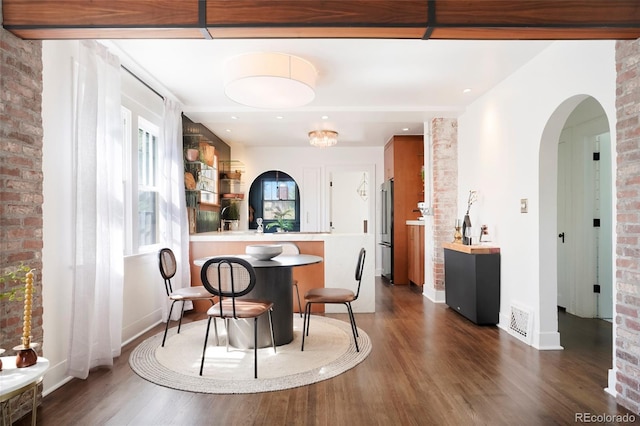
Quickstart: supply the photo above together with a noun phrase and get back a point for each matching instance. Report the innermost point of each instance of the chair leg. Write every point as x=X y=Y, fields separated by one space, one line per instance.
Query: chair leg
x=255 y=348
x=305 y=328
x=354 y=328
x=308 y=319
x=226 y=327
x=215 y=327
x=273 y=336
x=181 y=315
x=204 y=348
x=298 y=294
x=166 y=328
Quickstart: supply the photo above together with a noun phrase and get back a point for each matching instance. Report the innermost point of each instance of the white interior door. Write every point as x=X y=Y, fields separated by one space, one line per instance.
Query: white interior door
x=564 y=208
x=350 y=201
x=603 y=203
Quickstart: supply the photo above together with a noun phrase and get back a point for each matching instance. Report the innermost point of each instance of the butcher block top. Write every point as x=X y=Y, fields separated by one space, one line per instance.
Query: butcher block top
x=472 y=249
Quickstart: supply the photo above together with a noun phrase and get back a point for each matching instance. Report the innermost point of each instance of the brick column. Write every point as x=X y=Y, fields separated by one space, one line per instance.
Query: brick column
x=20 y=177
x=444 y=138
x=627 y=346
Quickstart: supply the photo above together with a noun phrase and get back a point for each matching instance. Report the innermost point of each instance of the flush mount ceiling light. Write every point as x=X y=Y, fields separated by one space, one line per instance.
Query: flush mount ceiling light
x=270 y=80
x=323 y=138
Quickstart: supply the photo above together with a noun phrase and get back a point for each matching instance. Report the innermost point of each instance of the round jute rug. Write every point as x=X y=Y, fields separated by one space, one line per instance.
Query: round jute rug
x=328 y=352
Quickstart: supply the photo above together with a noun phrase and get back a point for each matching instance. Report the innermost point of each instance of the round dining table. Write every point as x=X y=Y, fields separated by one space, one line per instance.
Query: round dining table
x=274 y=282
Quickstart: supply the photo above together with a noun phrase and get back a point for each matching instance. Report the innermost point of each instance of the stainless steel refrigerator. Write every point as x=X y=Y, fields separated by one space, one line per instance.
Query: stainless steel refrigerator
x=386 y=229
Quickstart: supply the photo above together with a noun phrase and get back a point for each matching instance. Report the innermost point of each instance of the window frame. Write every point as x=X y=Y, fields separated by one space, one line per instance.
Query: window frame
x=132 y=123
x=153 y=130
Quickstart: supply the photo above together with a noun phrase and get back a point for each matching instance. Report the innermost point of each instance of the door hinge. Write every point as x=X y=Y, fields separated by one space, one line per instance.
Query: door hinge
x=596 y=223
x=596 y=156
x=596 y=288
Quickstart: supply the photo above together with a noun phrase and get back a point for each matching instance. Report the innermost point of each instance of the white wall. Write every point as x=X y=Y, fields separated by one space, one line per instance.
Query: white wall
x=142 y=287
x=499 y=155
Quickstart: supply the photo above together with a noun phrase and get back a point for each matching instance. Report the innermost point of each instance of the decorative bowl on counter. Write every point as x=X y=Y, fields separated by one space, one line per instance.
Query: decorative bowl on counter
x=263 y=251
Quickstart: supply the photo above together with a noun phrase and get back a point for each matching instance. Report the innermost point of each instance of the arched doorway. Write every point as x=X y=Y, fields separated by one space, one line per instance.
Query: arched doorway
x=585 y=284
x=565 y=211
x=272 y=195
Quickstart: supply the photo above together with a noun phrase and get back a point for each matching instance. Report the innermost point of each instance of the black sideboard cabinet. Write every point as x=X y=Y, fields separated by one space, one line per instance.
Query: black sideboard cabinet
x=472 y=282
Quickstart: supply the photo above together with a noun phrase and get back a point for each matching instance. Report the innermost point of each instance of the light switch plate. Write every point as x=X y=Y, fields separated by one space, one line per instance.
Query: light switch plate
x=524 y=205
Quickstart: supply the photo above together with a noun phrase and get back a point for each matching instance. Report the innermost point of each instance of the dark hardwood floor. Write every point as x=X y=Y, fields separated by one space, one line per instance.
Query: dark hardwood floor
x=428 y=366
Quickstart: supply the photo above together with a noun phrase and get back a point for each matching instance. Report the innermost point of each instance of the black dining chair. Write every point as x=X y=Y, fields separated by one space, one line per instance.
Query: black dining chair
x=231 y=278
x=343 y=296
x=168 y=267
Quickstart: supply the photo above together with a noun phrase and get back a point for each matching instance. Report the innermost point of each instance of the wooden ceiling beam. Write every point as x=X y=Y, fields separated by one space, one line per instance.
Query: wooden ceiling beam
x=438 y=19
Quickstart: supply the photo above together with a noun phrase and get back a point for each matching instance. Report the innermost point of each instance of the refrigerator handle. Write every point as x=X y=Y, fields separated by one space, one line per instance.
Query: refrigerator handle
x=384 y=212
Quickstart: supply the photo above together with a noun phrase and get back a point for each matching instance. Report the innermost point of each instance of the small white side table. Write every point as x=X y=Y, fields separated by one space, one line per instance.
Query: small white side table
x=16 y=381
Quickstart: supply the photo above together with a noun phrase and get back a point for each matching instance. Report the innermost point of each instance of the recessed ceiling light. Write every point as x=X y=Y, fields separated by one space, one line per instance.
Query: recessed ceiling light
x=233 y=117
x=405 y=129
x=279 y=117
x=325 y=117
x=467 y=90
x=228 y=130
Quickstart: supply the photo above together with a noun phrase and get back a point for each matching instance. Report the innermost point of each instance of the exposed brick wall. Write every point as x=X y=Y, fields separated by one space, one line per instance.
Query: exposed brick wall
x=20 y=187
x=444 y=137
x=20 y=176
x=627 y=344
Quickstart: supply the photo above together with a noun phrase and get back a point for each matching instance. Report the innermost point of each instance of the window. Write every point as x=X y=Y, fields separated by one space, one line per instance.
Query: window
x=278 y=199
x=141 y=189
x=148 y=191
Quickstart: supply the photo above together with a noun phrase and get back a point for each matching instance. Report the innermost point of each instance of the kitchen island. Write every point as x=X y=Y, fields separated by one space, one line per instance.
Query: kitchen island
x=339 y=253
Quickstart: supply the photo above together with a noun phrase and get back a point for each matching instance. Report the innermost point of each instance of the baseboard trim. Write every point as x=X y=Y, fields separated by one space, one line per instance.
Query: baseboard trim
x=611 y=388
x=436 y=296
x=549 y=341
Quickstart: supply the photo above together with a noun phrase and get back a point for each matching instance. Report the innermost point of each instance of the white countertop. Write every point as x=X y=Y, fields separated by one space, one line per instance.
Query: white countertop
x=273 y=236
x=415 y=222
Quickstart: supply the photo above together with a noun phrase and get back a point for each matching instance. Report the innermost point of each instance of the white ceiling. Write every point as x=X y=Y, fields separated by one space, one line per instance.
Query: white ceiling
x=370 y=89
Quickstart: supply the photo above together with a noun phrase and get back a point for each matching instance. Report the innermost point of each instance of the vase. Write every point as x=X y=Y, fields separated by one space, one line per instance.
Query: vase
x=193 y=154
x=466 y=223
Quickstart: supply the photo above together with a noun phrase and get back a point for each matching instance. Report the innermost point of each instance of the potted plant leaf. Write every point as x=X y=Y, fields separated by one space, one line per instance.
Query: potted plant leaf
x=14 y=276
x=281 y=223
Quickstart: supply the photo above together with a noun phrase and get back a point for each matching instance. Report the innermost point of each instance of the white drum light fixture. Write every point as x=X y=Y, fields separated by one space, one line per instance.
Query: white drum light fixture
x=323 y=138
x=270 y=80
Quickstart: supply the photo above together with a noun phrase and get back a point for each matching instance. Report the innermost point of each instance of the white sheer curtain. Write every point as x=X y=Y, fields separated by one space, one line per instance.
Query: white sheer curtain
x=96 y=311
x=173 y=211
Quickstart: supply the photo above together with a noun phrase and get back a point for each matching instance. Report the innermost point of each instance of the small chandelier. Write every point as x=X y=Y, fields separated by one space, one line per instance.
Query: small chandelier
x=323 y=138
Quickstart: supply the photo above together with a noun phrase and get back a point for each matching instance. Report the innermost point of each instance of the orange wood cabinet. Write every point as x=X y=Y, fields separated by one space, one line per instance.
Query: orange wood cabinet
x=404 y=155
x=415 y=248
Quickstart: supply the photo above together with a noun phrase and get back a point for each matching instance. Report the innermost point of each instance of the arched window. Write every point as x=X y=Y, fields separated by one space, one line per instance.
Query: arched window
x=274 y=196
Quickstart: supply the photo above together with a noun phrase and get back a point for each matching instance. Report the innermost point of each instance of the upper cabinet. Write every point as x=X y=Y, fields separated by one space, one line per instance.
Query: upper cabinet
x=388 y=160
